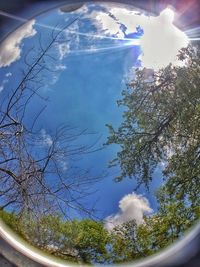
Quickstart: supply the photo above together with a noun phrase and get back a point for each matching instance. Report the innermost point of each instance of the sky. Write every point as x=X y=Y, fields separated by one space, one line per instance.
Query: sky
x=96 y=57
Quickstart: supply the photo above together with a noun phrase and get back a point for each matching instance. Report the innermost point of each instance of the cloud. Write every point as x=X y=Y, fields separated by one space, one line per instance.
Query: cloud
x=8 y=74
x=131 y=207
x=106 y=23
x=46 y=138
x=10 y=49
x=161 y=40
x=64 y=165
x=2 y=86
x=47 y=141
x=5 y=81
x=60 y=67
x=131 y=19
x=63 y=49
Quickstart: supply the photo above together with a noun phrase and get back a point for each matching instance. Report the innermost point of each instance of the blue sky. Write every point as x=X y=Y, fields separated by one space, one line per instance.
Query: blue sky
x=91 y=74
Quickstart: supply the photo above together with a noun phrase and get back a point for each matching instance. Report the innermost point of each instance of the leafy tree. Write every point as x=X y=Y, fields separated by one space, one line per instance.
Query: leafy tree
x=10 y=219
x=161 y=125
x=87 y=241
x=171 y=221
x=89 y=238
x=125 y=245
x=160 y=128
x=83 y=241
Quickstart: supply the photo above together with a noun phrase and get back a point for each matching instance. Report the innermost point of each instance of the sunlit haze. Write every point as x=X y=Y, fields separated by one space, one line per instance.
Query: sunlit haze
x=161 y=40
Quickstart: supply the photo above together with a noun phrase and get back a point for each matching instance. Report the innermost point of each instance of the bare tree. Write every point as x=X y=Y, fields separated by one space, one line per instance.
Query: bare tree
x=32 y=176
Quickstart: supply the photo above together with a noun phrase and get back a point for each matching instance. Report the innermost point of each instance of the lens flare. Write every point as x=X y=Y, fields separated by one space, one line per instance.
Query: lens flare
x=168 y=14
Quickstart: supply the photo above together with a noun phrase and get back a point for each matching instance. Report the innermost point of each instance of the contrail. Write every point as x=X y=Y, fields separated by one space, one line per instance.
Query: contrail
x=103 y=49
x=5 y=14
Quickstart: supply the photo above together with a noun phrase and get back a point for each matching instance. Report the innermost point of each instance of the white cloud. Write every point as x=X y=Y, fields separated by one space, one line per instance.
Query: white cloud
x=107 y=23
x=8 y=74
x=131 y=19
x=46 y=138
x=63 y=49
x=5 y=81
x=64 y=165
x=161 y=40
x=10 y=49
x=60 y=67
x=132 y=207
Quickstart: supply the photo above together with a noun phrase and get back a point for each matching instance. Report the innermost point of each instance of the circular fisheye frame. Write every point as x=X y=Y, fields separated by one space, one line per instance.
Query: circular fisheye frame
x=99 y=128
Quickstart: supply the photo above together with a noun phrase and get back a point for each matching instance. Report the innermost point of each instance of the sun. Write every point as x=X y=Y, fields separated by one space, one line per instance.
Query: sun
x=168 y=14
x=161 y=41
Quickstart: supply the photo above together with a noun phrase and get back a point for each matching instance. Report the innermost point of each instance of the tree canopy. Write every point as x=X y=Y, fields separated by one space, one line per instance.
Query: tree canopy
x=160 y=125
x=88 y=241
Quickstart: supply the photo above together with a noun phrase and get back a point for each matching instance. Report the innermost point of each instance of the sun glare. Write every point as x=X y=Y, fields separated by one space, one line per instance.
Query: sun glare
x=161 y=41
x=168 y=14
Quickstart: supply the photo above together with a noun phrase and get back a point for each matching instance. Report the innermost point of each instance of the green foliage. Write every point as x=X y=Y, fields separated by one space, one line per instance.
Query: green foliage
x=161 y=124
x=161 y=119
x=83 y=241
x=160 y=127
x=125 y=243
x=87 y=241
x=173 y=218
x=9 y=218
x=89 y=238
